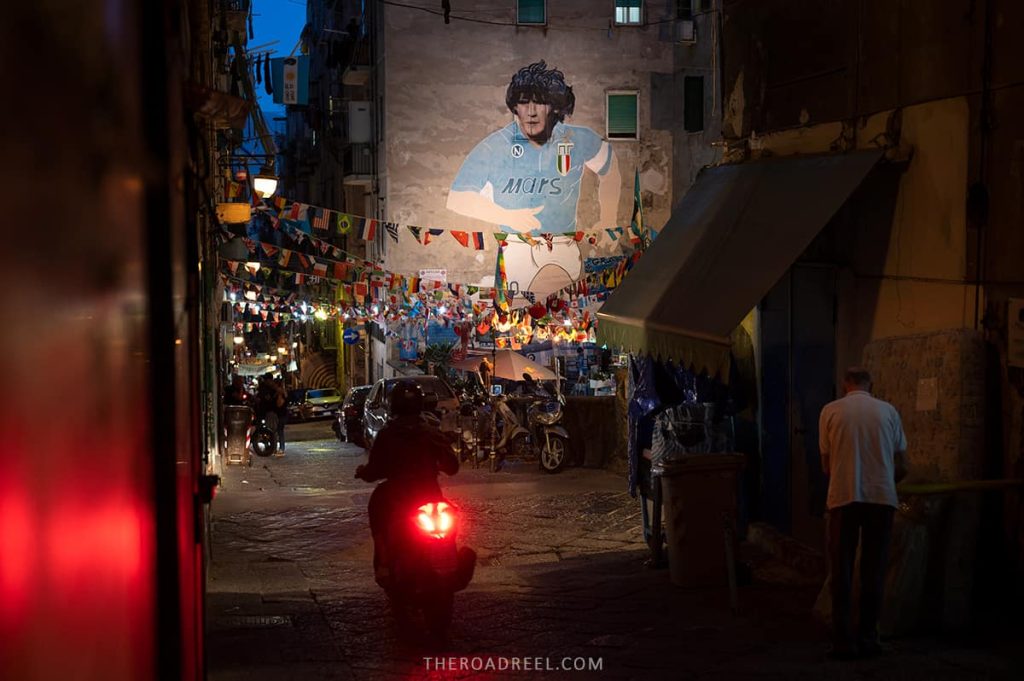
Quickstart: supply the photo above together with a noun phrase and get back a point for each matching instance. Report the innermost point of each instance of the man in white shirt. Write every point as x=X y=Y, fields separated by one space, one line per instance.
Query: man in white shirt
x=863 y=451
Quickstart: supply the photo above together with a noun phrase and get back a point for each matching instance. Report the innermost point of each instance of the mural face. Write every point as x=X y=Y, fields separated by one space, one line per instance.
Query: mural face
x=526 y=178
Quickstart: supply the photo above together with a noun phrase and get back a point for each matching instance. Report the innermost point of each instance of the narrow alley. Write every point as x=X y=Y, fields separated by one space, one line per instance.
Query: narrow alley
x=561 y=577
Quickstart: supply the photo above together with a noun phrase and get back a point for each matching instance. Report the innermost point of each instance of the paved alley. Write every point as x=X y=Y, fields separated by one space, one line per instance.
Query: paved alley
x=560 y=583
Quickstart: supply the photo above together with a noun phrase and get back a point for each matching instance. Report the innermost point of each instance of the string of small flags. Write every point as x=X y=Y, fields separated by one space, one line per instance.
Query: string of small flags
x=328 y=220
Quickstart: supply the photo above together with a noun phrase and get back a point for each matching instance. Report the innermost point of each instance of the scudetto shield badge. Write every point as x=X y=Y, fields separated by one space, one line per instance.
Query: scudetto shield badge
x=564 y=164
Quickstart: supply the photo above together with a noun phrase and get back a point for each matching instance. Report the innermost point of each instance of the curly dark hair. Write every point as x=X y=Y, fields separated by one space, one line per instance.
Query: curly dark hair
x=538 y=83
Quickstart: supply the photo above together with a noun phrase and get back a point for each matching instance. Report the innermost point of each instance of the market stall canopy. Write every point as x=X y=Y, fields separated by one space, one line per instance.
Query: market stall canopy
x=254 y=368
x=508 y=364
x=734 y=234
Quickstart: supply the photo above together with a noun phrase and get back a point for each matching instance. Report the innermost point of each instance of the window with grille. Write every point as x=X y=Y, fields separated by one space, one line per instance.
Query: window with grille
x=531 y=12
x=622 y=108
x=628 y=12
x=693 y=103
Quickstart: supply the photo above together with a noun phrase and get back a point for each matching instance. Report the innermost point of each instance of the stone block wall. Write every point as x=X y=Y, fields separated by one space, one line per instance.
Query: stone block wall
x=946 y=439
x=935 y=550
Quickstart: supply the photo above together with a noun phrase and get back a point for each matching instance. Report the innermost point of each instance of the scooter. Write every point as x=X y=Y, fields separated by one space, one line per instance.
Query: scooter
x=263 y=440
x=423 y=567
x=541 y=435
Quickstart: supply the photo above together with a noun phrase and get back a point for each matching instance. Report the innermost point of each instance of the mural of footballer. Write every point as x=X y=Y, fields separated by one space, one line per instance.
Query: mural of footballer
x=526 y=178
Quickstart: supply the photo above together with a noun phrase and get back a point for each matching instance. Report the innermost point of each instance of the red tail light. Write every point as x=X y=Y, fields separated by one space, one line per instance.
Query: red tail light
x=437 y=520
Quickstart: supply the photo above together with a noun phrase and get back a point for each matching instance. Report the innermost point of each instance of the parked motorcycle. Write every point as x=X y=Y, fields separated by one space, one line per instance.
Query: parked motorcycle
x=263 y=440
x=540 y=436
x=425 y=567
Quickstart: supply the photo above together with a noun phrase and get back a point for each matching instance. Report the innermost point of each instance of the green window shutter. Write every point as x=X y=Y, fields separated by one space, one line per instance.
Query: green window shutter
x=622 y=116
x=531 y=12
x=628 y=11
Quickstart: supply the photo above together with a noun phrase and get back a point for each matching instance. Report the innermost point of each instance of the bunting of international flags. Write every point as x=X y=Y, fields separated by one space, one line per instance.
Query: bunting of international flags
x=326 y=220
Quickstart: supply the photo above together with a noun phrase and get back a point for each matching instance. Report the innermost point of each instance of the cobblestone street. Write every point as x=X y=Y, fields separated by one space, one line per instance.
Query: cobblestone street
x=560 y=575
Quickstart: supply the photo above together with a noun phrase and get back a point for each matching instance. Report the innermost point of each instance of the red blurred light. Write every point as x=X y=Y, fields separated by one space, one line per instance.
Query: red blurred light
x=98 y=543
x=18 y=549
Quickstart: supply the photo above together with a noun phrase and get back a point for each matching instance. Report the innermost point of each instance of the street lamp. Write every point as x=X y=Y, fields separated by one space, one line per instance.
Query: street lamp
x=239 y=340
x=265 y=182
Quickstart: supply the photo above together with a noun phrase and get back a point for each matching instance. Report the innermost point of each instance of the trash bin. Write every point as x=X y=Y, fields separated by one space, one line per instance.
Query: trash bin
x=237 y=419
x=700 y=502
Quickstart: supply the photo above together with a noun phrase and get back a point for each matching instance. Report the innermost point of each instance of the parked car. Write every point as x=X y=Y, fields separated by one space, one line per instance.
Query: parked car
x=320 y=403
x=295 y=399
x=439 y=398
x=348 y=422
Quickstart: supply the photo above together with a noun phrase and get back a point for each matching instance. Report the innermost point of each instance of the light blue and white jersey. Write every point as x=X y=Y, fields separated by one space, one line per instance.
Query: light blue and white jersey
x=514 y=173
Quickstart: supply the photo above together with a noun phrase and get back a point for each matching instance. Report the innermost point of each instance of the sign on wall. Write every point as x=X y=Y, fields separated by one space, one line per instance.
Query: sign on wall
x=440 y=275
x=290 y=79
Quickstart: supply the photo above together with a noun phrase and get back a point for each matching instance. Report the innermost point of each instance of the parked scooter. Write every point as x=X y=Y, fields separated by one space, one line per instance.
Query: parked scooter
x=541 y=435
x=263 y=440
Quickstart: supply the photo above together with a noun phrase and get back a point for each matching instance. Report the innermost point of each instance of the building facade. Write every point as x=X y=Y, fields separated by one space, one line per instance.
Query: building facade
x=916 y=275
x=419 y=94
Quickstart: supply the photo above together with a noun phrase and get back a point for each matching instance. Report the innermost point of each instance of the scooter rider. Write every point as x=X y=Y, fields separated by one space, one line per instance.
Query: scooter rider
x=408 y=454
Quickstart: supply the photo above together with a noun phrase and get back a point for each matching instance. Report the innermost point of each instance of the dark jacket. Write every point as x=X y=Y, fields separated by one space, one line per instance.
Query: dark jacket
x=410 y=453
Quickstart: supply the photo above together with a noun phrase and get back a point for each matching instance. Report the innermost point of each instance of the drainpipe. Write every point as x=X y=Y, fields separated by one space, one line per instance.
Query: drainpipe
x=977 y=194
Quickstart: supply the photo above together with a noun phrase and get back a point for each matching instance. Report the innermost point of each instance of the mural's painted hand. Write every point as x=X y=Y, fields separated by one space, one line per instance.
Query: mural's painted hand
x=522 y=219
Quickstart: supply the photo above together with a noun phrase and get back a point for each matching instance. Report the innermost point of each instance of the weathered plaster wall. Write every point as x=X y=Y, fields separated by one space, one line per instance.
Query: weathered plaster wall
x=445 y=91
x=907 y=276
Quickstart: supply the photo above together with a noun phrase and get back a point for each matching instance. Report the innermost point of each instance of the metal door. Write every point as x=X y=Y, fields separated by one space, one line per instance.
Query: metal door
x=797 y=328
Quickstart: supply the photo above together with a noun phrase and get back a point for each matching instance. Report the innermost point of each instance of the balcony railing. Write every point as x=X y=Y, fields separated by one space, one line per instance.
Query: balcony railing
x=359 y=159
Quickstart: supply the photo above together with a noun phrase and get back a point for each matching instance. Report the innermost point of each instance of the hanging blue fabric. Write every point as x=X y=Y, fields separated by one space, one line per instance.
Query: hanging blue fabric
x=643 y=401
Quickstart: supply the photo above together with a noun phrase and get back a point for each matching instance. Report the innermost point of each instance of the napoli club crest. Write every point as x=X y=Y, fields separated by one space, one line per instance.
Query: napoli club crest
x=564 y=164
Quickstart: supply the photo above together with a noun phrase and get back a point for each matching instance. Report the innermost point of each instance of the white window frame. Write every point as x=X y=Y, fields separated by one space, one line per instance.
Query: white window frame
x=607 y=109
x=520 y=23
x=638 y=22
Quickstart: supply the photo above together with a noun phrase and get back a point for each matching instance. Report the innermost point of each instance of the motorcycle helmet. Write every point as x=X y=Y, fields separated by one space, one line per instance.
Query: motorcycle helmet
x=406 y=399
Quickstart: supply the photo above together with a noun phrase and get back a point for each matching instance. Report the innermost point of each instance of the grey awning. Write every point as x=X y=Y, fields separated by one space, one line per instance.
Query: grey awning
x=733 y=235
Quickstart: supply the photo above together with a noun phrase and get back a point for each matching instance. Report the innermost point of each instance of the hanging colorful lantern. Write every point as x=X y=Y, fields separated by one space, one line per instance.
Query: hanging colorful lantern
x=538 y=310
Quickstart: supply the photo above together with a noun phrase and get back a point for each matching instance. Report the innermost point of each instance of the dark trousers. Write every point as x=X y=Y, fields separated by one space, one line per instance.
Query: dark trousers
x=282 y=420
x=871 y=525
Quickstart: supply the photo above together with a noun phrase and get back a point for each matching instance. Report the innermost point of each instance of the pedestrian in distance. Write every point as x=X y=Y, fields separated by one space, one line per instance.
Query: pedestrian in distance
x=235 y=393
x=486 y=371
x=281 y=409
x=863 y=453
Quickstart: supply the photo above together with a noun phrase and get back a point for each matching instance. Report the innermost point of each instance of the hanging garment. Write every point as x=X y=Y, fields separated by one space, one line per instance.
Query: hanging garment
x=680 y=431
x=642 y=402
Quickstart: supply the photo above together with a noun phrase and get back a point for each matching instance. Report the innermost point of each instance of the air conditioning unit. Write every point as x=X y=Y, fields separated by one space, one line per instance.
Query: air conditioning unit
x=684 y=31
x=360 y=123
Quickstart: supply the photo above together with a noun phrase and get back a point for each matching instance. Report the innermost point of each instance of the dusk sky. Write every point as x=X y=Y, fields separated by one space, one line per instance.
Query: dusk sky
x=280 y=20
